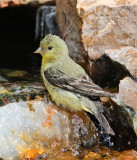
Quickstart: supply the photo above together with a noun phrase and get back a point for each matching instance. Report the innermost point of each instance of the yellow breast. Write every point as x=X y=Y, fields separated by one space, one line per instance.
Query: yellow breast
x=62 y=97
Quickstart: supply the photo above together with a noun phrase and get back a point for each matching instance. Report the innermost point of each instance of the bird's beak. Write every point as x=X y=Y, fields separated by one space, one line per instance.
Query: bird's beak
x=39 y=50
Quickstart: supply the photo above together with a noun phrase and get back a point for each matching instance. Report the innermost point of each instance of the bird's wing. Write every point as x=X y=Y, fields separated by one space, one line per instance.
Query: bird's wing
x=82 y=84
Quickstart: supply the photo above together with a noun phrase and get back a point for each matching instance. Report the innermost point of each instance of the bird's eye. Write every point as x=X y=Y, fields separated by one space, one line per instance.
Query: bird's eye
x=50 y=47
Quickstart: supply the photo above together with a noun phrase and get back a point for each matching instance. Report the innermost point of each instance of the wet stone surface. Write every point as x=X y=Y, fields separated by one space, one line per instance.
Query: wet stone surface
x=37 y=128
x=34 y=128
x=20 y=91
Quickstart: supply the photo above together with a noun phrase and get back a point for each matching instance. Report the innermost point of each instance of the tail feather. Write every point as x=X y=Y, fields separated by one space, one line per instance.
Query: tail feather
x=97 y=111
x=106 y=125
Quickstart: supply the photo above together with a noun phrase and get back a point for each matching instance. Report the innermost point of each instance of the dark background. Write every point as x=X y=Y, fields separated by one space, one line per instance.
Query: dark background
x=17 y=38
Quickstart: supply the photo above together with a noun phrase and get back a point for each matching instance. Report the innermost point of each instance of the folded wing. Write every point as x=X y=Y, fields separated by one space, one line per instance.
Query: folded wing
x=82 y=84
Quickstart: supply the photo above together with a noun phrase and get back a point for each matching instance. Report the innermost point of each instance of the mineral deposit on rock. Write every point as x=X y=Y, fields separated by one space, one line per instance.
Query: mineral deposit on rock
x=34 y=128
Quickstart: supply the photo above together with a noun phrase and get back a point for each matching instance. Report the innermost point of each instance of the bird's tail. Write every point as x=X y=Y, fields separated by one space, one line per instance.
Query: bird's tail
x=106 y=125
x=96 y=109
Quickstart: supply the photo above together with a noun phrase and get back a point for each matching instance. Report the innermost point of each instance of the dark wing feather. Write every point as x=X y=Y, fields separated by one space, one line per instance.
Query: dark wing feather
x=82 y=85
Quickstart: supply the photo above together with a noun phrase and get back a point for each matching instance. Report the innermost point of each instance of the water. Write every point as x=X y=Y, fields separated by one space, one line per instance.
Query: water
x=45 y=22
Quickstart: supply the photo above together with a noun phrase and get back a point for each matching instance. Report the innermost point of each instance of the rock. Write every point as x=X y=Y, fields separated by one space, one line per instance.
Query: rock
x=20 y=91
x=19 y=75
x=101 y=24
x=32 y=127
x=67 y=19
x=6 y=3
x=2 y=79
x=23 y=131
x=107 y=25
x=97 y=26
x=92 y=155
x=128 y=94
x=37 y=128
x=104 y=153
x=127 y=56
x=121 y=62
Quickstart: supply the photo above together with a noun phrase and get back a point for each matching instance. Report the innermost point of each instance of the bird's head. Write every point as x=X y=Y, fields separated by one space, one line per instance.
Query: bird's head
x=52 y=47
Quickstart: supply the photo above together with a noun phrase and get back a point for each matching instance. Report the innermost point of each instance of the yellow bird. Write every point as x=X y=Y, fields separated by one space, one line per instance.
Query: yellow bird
x=67 y=83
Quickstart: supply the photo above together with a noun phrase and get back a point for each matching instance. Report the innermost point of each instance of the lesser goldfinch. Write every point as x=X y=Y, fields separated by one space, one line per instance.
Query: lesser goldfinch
x=67 y=83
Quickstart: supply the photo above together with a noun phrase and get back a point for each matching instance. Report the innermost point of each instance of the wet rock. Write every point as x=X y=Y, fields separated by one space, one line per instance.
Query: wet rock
x=6 y=3
x=32 y=127
x=106 y=154
x=41 y=130
x=2 y=79
x=122 y=122
x=88 y=134
x=19 y=75
x=20 y=91
x=25 y=132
